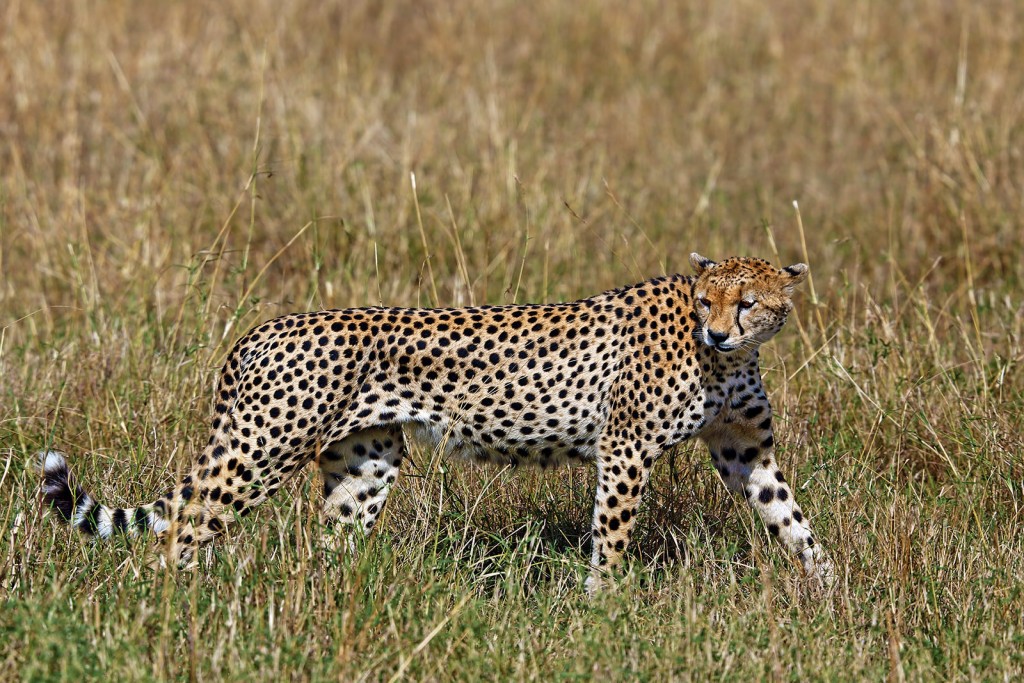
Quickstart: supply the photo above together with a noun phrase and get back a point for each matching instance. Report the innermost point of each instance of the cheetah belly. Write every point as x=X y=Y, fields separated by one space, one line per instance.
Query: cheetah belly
x=544 y=453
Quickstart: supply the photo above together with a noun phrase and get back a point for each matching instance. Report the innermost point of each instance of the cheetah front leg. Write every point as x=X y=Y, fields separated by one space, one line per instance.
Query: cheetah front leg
x=622 y=474
x=742 y=449
x=357 y=473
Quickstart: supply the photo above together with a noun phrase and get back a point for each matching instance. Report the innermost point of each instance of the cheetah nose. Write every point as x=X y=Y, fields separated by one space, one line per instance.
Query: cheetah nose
x=717 y=337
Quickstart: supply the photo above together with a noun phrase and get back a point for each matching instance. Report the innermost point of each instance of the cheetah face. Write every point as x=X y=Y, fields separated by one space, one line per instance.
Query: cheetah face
x=742 y=302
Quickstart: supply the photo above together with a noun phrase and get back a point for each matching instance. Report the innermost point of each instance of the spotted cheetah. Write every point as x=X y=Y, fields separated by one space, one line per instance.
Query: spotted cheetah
x=615 y=379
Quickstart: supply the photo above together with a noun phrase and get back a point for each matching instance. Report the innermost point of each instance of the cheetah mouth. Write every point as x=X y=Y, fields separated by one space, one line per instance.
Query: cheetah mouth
x=727 y=347
x=721 y=347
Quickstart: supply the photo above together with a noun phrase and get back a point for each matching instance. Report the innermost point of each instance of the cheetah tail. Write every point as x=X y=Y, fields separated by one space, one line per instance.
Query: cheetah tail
x=61 y=492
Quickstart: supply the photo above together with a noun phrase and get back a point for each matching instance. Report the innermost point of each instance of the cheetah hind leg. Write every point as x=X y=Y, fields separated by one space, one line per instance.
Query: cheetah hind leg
x=357 y=474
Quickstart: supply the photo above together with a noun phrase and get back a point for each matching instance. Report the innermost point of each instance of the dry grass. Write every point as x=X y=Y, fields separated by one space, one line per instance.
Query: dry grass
x=172 y=172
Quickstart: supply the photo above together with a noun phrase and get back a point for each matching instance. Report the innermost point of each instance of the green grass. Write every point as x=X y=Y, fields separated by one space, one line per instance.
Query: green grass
x=171 y=174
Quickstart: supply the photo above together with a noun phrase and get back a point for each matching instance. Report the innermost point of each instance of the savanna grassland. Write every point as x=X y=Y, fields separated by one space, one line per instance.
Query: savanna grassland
x=173 y=172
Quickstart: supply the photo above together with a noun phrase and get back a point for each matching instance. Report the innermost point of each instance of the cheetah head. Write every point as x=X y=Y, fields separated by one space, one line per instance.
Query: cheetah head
x=742 y=302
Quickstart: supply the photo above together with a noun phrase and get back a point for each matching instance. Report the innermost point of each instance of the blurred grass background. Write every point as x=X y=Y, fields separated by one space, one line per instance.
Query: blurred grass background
x=171 y=173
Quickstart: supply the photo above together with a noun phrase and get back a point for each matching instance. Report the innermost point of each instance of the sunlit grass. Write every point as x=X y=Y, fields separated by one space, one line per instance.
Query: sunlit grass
x=170 y=175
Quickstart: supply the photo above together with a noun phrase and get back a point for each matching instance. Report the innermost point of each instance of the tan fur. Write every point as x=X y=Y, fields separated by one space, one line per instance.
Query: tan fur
x=614 y=380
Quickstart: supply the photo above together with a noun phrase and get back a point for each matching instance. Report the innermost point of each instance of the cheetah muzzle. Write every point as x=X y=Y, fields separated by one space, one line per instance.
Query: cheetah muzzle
x=615 y=379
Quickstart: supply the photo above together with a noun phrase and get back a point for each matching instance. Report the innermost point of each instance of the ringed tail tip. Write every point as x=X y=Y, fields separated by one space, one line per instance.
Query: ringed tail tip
x=58 y=489
x=61 y=492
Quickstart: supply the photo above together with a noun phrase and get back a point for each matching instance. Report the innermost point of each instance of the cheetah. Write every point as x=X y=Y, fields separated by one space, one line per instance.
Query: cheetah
x=615 y=380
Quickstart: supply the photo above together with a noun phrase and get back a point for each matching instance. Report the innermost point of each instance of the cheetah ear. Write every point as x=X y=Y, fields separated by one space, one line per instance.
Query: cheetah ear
x=793 y=275
x=699 y=263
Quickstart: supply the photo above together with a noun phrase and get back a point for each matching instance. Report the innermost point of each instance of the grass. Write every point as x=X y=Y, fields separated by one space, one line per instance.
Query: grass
x=171 y=174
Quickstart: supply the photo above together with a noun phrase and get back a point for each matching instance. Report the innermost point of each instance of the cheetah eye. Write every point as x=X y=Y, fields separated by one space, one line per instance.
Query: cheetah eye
x=747 y=303
x=705 y=302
